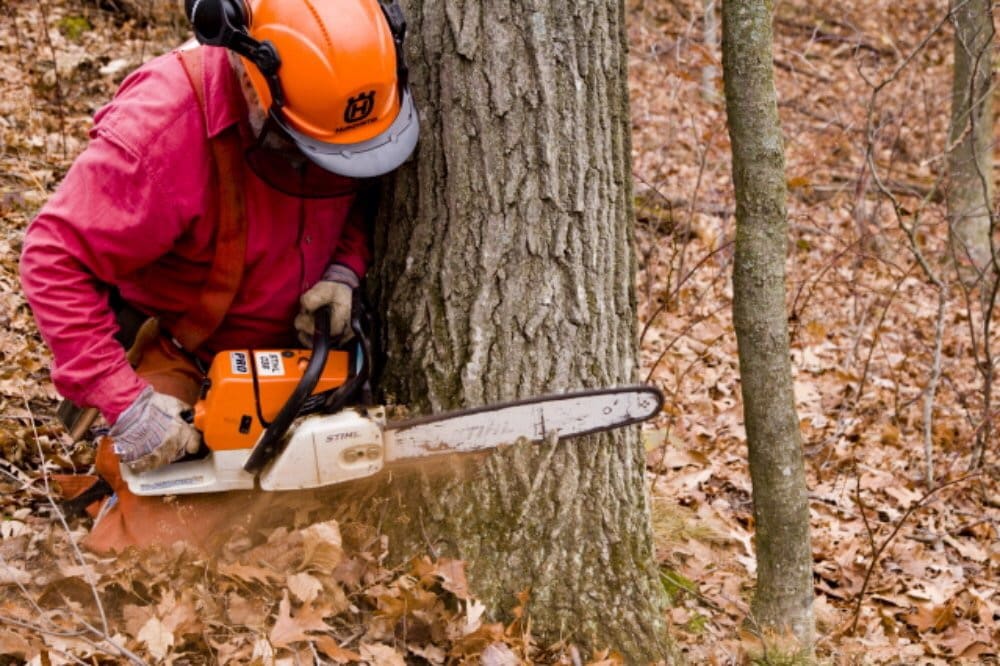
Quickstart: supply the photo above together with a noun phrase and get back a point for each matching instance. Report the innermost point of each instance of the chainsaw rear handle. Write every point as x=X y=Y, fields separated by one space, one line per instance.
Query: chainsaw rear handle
x=270 y=443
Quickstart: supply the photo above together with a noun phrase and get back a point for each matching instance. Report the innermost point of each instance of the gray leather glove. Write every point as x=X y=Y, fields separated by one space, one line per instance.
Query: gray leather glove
x=151 y=433
x=336 y=293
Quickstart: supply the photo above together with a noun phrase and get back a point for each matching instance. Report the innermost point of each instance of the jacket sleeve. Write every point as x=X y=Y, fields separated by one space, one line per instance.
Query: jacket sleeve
x=354 y=246
x=109 y=217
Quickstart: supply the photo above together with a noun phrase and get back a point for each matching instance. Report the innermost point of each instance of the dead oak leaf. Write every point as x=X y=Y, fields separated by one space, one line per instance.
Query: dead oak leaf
x=430 y=652
x=248 y=573
x=450 y=572
x=381 y=655
x=304 y=587
x=322 y=545
x=966 y=642
x=498 y=654
x=452 y=575
x=135 y=618
x=332 y=649
x=931 y=617
x=157 y=637
x=14 y=645
x=290 y=629
x=178 y=615
x=243 y=611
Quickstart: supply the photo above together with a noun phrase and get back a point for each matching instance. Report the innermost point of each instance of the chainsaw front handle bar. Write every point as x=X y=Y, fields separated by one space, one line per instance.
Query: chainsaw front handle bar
x=270 y=443
x=358 y=383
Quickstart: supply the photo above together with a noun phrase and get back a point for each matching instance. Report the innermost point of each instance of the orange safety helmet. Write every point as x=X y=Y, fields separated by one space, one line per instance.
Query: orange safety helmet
x=330 y=72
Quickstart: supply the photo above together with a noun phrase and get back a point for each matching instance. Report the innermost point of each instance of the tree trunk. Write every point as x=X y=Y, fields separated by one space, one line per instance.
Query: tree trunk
x=505 y=268
x=970 y=161
x=784 y=595
x=710 y=38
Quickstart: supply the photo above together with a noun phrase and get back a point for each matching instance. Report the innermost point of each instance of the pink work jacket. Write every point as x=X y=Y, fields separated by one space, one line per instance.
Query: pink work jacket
x=137 y=210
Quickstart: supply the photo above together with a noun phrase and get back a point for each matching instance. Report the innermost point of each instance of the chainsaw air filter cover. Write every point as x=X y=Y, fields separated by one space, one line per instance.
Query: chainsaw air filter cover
x=245 y=389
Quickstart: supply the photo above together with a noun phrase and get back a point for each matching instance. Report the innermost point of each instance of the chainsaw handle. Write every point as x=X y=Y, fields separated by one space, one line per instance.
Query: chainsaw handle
x=270 y=443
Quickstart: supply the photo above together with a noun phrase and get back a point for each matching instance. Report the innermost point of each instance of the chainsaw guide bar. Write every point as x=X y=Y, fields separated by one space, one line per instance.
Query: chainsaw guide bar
x=321 y=450
x=533 y=419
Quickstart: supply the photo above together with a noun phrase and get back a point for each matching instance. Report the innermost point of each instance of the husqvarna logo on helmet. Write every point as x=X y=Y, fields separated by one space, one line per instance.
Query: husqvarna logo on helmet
x=358 y=108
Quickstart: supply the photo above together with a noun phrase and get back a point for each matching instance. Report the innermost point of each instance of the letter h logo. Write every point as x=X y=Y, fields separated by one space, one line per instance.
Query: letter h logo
x=359 y=107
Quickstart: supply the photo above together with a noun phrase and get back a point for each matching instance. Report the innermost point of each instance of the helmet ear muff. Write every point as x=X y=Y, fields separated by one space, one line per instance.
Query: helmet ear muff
x=225 y=23
x=215 y=21
x=394 y=16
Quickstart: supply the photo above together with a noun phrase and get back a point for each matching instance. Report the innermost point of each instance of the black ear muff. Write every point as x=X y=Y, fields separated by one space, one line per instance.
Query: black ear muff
x=397 y=26
x=225 y=23
x=215 y=21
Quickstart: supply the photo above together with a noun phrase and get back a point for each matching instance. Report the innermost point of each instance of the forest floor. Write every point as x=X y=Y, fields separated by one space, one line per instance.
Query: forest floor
x=905 y=537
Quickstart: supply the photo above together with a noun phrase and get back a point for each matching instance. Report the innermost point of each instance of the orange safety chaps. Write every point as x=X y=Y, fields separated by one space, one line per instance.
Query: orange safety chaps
x=124 y=519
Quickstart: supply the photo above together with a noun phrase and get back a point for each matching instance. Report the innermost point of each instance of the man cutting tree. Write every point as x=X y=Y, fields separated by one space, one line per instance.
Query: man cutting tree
x=218 y=194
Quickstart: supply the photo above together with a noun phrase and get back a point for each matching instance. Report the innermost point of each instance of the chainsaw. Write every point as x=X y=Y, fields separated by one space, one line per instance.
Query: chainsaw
x=280 y=418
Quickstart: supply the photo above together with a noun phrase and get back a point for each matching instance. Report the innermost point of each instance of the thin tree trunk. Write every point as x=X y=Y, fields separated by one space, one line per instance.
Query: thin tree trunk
x=506 y=269
x=710 y=32
x=783 y=599
x=970 y=162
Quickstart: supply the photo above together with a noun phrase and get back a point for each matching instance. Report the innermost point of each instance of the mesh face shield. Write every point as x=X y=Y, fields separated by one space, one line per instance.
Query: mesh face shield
x=277 y=161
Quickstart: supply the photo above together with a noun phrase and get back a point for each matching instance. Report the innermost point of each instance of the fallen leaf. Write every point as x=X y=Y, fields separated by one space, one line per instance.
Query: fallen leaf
x=381 y=655
x=290 y=629
x=248 y=573
x=452 y=575
x=157 y=637
x=304 y=587
x=498 y=654
x=432 y=653
x=323 y=546
x=927 y=617
x=332 y=649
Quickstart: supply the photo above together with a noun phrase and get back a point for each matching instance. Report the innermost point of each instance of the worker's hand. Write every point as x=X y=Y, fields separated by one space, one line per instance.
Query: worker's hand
x=151 y=432
x=326 y=292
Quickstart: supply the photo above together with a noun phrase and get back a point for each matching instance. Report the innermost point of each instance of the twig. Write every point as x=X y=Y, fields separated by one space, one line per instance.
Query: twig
x=57 y=510
x=672 y=399
x=55 y=70
x=702 y=163
x=710 y=38
x=667 y=299
x=932 y=383
x=788 y=67
x=12 y=13
x=877 y=552
x=105 y=634
x=852 y=357
x=79 y=634
x=818 y=35
x=795 y=309
x=910 y=232
x=825 y=118
x=677 y=337
x=875 y=338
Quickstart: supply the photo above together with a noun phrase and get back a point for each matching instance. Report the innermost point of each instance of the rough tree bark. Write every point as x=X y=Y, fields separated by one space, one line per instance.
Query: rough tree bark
x=970 y=160
x=784 y=594
x=505 y=269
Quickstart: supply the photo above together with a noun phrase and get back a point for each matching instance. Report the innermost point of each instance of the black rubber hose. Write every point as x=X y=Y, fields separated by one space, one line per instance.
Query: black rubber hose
x=358 y=383
x=271 y=443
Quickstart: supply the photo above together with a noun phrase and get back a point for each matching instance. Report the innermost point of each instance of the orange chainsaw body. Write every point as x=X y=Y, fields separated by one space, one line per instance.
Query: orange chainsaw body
x=246 y=389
